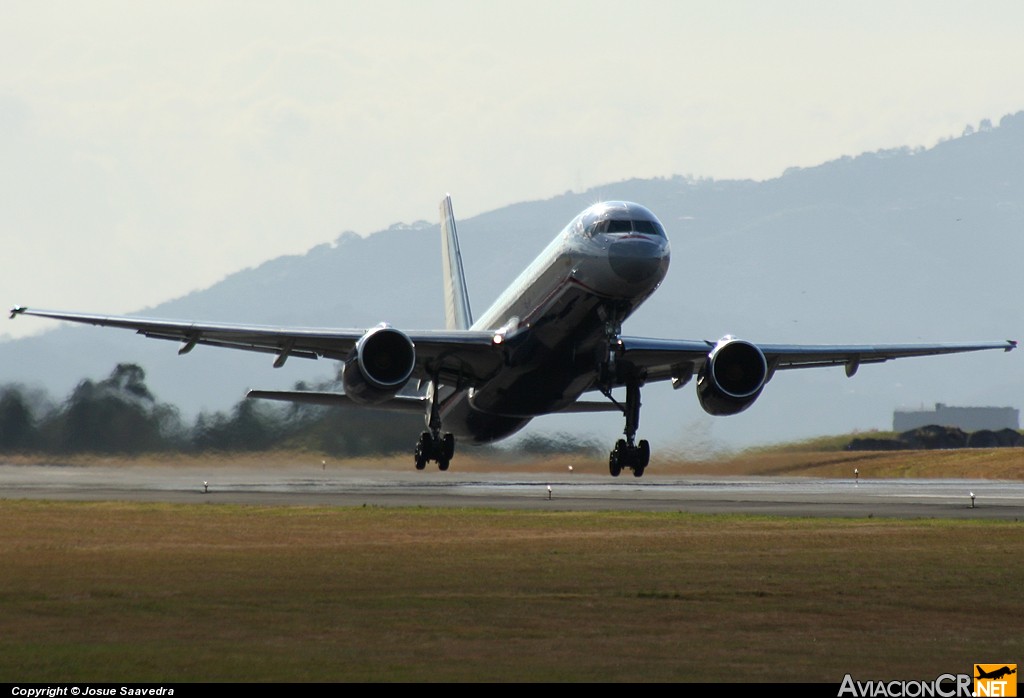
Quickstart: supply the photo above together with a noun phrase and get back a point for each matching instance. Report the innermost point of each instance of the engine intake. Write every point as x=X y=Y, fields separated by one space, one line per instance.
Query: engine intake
x=732 y=377
x=380 y=365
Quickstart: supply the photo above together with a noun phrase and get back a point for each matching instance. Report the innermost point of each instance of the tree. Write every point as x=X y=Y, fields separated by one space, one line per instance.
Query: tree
x=17 y=425
x=116 y=415
x=251 y=427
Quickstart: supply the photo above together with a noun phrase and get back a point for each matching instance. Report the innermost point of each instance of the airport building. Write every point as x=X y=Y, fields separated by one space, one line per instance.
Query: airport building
x=965 y=418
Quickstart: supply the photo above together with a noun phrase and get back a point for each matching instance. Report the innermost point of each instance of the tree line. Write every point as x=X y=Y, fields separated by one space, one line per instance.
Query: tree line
x=119 y=415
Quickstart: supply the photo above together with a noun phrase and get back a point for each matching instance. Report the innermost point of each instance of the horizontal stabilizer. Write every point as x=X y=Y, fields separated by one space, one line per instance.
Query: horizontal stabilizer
x=590 y=407
x=399 y=403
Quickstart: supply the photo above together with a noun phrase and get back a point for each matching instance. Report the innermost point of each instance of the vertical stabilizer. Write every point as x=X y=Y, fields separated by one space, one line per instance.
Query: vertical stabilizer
x=457 y=314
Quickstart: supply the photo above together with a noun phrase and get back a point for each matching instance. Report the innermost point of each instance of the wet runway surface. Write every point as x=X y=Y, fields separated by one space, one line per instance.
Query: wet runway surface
x=1003 y=500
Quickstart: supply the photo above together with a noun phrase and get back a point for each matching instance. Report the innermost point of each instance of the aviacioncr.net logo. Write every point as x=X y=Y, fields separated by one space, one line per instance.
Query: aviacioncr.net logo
x=943 y=686
x=998 y=680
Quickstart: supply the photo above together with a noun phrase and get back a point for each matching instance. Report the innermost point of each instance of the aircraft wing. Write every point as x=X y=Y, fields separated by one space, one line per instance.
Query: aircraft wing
x=665 y=359
x=468 y=358
x=458 y=356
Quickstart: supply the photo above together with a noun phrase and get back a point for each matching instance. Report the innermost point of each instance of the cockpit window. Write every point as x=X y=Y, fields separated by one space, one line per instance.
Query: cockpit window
x=649 y=227
x=626 y=226
x=617 y=217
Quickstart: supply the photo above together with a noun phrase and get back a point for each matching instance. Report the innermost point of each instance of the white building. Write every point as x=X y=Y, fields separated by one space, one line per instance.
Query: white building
x=966 y=418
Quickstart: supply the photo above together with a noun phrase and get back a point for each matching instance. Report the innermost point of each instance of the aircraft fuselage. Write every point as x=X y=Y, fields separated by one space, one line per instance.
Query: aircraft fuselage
x=555 y=319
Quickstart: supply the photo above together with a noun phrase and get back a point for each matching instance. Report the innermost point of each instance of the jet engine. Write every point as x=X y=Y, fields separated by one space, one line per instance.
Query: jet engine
x=379 y=366
x=732 y=377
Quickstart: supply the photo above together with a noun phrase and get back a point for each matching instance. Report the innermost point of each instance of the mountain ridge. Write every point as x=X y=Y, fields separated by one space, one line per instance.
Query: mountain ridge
x=899 y=245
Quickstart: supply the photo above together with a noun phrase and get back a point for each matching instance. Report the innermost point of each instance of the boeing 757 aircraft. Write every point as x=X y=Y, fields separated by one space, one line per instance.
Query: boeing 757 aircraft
x=552 y=337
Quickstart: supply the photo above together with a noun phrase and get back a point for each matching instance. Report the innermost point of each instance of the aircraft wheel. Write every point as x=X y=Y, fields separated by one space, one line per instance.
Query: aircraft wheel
x=447 y=446
x=442 y=463
x=616 y=457
x=422 y=451
x=643 y=454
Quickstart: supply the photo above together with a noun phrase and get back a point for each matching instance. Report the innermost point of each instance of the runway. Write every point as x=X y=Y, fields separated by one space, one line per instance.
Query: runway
x=308 y=486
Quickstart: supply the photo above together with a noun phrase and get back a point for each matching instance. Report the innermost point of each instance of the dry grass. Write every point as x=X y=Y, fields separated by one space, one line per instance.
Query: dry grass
x=820 y=458
x=131 y=592
x=994 y=463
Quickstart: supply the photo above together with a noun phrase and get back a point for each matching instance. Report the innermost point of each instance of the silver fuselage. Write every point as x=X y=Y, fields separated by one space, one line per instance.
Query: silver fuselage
x=553 y=319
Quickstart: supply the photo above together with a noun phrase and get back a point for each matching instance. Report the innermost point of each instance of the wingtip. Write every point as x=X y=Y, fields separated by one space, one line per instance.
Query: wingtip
x=17 y=310
x=1011 y=344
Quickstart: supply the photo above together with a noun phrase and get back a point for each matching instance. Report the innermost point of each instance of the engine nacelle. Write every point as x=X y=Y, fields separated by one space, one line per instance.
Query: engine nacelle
x=732 y=377
x=379 y=366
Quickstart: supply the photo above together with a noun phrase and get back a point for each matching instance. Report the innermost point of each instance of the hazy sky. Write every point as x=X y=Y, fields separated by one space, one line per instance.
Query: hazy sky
x=149 y=149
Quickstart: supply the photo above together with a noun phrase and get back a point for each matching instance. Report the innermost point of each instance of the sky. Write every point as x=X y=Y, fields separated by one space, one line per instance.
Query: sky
x=150 y=149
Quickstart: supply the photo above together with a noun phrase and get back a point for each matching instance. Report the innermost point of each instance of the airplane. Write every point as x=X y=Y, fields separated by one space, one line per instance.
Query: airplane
x=996 y=674
x=553 y=336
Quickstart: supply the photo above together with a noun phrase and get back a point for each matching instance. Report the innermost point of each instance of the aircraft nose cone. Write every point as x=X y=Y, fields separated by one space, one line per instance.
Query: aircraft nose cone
x=637 y=260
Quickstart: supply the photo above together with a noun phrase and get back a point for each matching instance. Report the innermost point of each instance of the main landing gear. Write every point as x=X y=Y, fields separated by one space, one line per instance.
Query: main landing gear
x=627 y=453
x=433 y=445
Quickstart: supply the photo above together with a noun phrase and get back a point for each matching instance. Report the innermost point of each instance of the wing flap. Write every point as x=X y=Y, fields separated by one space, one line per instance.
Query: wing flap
x=665 y=359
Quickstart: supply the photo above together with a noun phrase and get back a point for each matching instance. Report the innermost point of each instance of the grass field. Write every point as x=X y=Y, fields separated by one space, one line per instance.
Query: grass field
x=132 y=592
x=823 y=457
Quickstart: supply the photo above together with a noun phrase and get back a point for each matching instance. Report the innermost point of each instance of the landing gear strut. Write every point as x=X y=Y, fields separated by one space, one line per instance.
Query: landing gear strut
x=433 y=445
x=627 y=453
